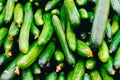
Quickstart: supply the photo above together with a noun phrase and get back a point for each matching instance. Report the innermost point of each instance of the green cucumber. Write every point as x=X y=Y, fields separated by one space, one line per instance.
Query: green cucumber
x=81 y=2
x=115 y=5
x=38 y=17
x=99 y=23
x=47 y=30
x=90 y=64
x=87 y=76
x=2 y=16
x=62 y=39
x=18 y=14
x=51 y=76
x=35 y=68
x=9 y=10
x=90 y=16
x=103 y=53
x=71 y=38
x=83 y=49
x=95 y=75
x=46 y=54
x=69 y=75
x=117 y=59
x=79 y=70
x=55 y=12
x=83 y=13
x=25 y=29
x=27 y=74
x=61 y=76
x=72 y=12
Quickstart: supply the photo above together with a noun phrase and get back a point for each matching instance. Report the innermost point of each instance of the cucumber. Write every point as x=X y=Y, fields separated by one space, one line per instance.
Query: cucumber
x=87 y=76
x=46 y=54
x=55 y=12
x=90 y=64
x=27 y=74
x=51 y=4
x=109 y=66
x=47 y=30
x=38 y=17
x=79 y=70
x=51 y=76
x=2 y=16
x=72 y=12
x=62 y=39
x=90 y=16
x=117 y=59
x=103 y=53
x=9 y=10
x=18 y=14
x=99 y=23
x=83 y=49
x=95 y=75
x=69 y=75
x=115 y=42
x=26 y=60
x=115 y=5
x=61 y=76
x=81 y=2
x=83 y=13
x=35 y=68
x=71 y=38
x=25 y=29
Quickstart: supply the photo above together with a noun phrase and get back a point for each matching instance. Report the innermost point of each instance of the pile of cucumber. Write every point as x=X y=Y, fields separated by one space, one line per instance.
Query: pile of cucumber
x=59 y=40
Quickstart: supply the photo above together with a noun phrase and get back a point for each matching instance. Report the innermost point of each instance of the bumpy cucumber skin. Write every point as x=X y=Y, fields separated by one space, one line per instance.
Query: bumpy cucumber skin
x=51 y=76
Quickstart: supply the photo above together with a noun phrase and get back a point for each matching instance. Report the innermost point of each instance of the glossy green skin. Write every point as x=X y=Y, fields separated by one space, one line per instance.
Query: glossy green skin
x=59 y=56
x=3 y=33
x=51 y=4
x=35 y=68
x=18 y=13
x=72 y=12
x=61 y=76
x=105 y=75
x=83 y=49
x=62 y=39
x=51 y=76
x=81 y=2
x=38 y=17
x=71 y=38
x=115 y=42
x=9 y=10
x=87 y=76
x=95 y=75
x=27 y=74
x=25 y=29
x=117 y=59
x=26 y=60
x=69 y=76
x=109 y=66
x=46 y=54
x=90 y=64
x=99 y=23
x=8 y=45
x=79 y=71
x=2 y=16
x=115 y=5
x=103 y=53
x=47 y=30
x=83 y=13
x=13 y=30
x=55 y=12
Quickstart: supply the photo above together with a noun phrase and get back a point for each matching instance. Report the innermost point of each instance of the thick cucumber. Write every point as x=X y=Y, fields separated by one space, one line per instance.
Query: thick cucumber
x=35 y=68
x=105 y=75
x=79 y=71
x=55 y=12
x=83 y=49
x=69 y=75
x=72 y=12
x=25 y=29
x=83 y=13
x=27 y=74
x=81 y=2
x=26 y=60
x=46 y=54
x=117 y=59
x=2 y=16
x=3 y=34
x=103 y=53
x=34 y=31
x=61 y=76
x=109 y=66
x=99 y=23
x=13 y=30
x=62 y=39
x=71 y=38
x=90 y=64
x=38 y=17
x=115 y=42
x=115 y=5
x=87 y=76
x=51 y=4
x=9 y=10
x=18 y=14
x=95 y=75
x=47 y=30
x=51 y=76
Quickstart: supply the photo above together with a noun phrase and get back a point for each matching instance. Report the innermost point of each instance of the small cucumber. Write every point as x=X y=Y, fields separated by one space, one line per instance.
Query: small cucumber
x=55 y=12
x=47 y=30
x=25 y=29
x=87 y=76
x=117 y=59
x=61 y=76
x=71 y=38
x=83 y=13
x=90 y=16
x=103 y=53
x=27 y=74
x=62 y=39
x=81 y=2
x=2 y=16
x=115 y=5
x=51 y=76
x=90 y=64
x=38 y=17
x=46 y=54
x=35 y=68
x=95 y=75
x=69 y=75
x=83 y=49
x=18 y=14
